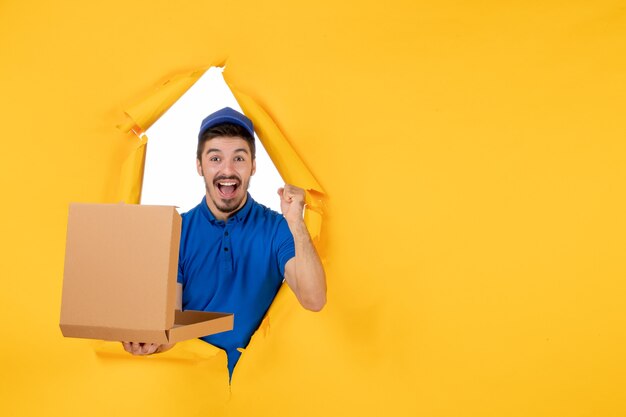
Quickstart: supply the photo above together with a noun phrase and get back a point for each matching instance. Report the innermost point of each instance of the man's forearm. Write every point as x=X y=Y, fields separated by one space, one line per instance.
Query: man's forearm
x=309 y=277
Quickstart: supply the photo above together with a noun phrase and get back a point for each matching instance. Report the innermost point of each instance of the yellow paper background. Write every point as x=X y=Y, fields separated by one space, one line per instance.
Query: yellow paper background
x=473 y=160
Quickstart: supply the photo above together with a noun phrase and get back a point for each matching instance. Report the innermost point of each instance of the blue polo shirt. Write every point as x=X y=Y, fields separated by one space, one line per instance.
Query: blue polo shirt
x=235 y=266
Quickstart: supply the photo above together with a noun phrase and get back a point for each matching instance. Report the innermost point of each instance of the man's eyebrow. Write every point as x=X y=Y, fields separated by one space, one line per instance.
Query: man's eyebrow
x=219 y=150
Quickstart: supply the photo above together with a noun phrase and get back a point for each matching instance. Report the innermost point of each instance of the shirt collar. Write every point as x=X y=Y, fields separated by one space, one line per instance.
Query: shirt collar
x=239 y=216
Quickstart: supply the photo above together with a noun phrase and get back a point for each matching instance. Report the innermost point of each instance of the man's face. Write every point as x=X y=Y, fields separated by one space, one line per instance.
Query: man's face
x=226 y=166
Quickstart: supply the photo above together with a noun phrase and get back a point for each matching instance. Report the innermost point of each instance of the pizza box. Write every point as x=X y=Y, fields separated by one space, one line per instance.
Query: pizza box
x=120 y=278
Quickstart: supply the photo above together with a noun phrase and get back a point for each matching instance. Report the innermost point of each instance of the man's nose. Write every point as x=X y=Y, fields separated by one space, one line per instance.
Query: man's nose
x=228 y=167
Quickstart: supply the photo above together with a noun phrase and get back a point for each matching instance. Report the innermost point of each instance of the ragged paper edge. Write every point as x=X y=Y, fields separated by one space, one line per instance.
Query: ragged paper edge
x=131 y=175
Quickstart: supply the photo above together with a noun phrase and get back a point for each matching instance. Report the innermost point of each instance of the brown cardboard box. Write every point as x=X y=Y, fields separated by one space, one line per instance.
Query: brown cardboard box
x=121 y=265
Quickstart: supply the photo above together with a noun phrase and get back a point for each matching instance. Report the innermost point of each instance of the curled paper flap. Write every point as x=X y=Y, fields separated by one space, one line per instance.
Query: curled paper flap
x=147 y=111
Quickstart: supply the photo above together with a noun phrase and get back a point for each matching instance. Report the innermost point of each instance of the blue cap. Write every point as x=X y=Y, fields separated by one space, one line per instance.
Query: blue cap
x=226 y=115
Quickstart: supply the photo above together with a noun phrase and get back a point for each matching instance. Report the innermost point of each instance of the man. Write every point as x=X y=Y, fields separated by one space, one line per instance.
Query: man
x=234 y=252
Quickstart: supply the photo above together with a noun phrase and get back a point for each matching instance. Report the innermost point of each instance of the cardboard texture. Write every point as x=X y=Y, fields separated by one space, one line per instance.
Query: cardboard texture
x=119 y=284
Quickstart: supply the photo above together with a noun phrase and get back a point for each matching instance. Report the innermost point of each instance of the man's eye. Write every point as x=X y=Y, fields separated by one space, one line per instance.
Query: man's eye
x=214 y=159
x=239 y=159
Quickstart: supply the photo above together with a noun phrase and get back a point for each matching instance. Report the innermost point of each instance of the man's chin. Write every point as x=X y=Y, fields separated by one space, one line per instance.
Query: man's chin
x=226 y=209
x=228 y=205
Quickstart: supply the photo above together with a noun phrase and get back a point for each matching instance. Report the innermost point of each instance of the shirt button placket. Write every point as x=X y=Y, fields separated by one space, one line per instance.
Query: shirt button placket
x=227 y=251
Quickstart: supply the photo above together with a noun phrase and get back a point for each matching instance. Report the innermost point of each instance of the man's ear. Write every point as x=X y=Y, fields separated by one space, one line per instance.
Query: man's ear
x=253 y=166
x=199 y=167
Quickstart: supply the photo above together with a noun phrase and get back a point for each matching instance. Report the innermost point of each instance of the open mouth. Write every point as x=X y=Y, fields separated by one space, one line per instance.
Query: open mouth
x=227 y=188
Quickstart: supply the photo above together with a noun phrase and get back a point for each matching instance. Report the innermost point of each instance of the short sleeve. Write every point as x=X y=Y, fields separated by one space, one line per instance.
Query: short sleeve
x=284 y=245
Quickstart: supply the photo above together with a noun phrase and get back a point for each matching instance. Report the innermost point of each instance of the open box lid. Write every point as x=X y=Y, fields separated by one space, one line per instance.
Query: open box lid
x=121 y=265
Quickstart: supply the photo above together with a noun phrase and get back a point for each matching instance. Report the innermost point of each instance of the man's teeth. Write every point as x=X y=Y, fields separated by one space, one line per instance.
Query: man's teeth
x=227 y=184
